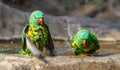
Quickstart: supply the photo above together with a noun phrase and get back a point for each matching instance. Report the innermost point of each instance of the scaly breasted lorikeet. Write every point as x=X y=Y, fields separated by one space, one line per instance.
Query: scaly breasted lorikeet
x=36 y=36
x=84 y=42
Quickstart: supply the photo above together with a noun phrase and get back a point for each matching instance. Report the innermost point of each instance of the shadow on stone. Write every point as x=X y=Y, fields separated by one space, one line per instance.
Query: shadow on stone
x=103 y=55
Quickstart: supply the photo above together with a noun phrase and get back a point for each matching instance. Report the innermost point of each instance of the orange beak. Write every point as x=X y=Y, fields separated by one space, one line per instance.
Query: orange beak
x=84 y=42
x=40 y=21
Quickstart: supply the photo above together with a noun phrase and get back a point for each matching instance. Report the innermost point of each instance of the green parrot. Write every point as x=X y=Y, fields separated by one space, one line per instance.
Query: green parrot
x=36 y=36
x=84 y=42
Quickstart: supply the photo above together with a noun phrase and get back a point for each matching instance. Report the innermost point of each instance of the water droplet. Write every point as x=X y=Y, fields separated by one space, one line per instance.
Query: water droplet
x=11 y=42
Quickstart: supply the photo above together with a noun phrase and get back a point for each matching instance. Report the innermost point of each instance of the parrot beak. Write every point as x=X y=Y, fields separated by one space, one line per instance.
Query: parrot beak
x=84 y=42
x=40 y=21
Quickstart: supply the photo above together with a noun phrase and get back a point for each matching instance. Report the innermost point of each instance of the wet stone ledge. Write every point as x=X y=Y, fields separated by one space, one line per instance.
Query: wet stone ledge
x=16 y=62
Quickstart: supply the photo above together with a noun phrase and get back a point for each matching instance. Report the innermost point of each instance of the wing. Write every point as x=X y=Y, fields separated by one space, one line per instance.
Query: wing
x=25 y=29
x=73 y=42
x=75 y=45
x=95 y=41
x=50 y=45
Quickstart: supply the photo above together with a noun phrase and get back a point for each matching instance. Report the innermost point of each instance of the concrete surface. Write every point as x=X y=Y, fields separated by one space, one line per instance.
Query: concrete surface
x=15 y=62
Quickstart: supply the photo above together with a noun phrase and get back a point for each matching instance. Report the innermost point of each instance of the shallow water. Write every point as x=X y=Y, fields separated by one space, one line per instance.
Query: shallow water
x=61 y=48
x=10 y=47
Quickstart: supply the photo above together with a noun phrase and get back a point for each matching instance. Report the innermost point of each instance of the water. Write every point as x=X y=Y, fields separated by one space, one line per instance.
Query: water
x=10 y=47
x=61 y=48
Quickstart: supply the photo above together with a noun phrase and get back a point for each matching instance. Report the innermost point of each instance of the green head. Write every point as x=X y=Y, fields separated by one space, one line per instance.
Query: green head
x=36 y=17
x=84 y=35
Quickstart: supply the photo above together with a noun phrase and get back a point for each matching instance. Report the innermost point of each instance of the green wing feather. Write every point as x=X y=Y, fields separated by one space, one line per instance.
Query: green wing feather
x=24 y=46
x=75 y=43
x=50 y=45
x=95 y=41
x=23 y=37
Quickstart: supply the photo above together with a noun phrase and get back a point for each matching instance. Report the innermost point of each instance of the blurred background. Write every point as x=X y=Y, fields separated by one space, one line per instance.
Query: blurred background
x=101 y=9
x=64 y=18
